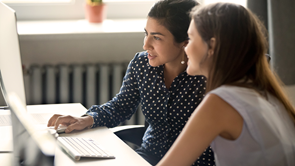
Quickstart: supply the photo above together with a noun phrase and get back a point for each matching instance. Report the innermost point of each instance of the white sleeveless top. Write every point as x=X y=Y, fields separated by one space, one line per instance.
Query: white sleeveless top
x=268 y=135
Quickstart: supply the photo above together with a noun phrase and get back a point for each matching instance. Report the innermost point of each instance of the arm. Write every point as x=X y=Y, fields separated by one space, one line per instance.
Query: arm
x=112 y=113
x=212 y=117
x=123 y=105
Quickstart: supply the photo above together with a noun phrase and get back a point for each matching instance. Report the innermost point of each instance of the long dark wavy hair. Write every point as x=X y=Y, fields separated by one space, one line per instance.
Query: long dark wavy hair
x=240 y=48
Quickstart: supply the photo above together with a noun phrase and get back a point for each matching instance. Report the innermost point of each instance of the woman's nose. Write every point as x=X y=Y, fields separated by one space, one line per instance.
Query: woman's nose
x=146 y=43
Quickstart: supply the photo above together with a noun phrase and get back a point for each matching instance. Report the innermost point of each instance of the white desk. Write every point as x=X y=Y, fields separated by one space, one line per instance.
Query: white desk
x=48 y=110
x=125 y=156
x=6 y=159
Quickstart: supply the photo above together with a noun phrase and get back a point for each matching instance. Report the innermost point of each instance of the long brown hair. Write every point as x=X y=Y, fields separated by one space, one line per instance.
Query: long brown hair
x=239 y=53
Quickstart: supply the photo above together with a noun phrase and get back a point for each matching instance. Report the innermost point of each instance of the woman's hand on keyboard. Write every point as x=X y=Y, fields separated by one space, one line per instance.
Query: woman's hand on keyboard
x=73 y=123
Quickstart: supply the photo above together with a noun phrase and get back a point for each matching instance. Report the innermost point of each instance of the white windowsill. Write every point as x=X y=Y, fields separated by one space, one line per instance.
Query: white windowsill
x=80 y=27
x=78 y=41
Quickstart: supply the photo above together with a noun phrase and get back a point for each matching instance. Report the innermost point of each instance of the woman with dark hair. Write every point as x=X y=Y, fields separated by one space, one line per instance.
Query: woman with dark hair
x=156 y=79
x=245 y=116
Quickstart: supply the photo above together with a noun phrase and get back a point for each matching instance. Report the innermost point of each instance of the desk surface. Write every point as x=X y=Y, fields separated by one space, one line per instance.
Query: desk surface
x=125 y=156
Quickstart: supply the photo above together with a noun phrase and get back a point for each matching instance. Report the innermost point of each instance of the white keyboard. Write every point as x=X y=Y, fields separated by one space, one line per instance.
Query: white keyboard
x=83 y=147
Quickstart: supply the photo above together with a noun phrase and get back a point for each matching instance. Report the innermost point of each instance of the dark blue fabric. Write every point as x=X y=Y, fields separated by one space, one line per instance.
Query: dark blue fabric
x=153 y=160
x=165 y=109
x=205 y=160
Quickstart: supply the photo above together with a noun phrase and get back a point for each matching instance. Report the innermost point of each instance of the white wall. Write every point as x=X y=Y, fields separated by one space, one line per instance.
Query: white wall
x=79 y=48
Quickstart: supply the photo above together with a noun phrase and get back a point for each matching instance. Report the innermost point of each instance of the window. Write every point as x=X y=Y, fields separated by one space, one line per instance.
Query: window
x=34 y=1
x=74 y=9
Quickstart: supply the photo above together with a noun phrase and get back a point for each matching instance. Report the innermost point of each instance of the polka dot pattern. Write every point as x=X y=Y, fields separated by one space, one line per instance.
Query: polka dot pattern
x=165 y=110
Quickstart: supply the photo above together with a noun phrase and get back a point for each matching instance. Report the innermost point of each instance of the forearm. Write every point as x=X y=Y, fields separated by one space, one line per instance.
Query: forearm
x=102 y=116
x=89 y=120
x=122 y=106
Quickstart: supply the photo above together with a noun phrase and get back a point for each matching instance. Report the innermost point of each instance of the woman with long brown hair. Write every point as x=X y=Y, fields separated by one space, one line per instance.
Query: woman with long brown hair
x=245 y=116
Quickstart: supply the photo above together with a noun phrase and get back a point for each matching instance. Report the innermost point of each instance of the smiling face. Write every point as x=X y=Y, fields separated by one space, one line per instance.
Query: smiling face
x=160 y=44
x=197 y=51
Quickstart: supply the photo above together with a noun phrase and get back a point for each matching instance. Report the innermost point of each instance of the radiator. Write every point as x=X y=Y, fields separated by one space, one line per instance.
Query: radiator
x=87 y=84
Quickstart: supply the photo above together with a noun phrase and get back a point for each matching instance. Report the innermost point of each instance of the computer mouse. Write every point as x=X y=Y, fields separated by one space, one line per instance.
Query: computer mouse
x=61 y=129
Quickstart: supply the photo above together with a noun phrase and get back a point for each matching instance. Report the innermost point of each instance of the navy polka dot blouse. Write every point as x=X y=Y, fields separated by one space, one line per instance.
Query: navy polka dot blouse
x=165 y=110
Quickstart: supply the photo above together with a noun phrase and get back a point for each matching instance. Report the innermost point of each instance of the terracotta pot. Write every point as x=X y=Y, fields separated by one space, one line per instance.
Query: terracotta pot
x=96 y=13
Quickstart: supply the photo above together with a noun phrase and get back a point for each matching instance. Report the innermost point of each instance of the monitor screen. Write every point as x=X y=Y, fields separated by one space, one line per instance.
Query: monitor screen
x=10 y=59
x=32 y=145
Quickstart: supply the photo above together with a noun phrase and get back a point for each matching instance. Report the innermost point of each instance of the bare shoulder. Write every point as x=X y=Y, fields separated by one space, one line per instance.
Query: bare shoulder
x=215 y=104
x=212 y=103
x=217 y=111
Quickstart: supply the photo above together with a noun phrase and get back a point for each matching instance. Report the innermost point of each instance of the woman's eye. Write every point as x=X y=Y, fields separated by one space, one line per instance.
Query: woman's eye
x=157 y=38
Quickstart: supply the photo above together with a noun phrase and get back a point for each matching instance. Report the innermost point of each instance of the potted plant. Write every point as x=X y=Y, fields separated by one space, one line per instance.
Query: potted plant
x=95 y=11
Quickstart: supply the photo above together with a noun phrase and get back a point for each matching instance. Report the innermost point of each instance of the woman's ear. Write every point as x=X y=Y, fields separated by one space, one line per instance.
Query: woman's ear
x=212 y=44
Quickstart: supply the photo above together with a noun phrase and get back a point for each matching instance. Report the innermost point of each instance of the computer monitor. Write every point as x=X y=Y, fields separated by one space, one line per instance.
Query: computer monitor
x=32 y=146
x=10 y=58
